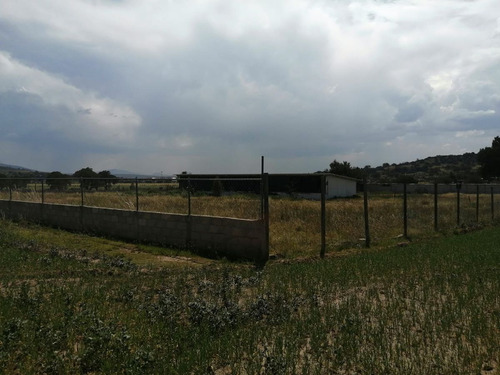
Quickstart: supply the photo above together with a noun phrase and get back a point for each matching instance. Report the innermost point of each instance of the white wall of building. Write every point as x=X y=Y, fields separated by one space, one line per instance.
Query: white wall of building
x=340 y=187
x=336 y=187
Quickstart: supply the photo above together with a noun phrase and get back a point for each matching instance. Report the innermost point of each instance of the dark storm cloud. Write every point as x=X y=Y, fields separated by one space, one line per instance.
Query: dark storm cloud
x=212 y=85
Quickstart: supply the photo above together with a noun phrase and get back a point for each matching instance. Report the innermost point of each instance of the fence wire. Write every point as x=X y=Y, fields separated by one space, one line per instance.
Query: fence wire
x=228 y=197
x=295 y=224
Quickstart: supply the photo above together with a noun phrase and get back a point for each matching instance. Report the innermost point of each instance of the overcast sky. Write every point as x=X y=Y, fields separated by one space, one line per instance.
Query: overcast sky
x=210 y=86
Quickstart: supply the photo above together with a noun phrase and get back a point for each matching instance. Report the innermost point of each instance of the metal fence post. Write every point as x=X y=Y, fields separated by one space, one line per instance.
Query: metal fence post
x=43 y=193
x=265 y=184
x=323 y=216
x=262 y=197
x=136 y=195
x=436 y=227
x=477 y=203
x=405 y=211
x=188 y=217
x=459 y=186
x=492 y=204
x=262 y=187
x=81 y=190
x=365 y=209
x=189 y=196
x=10 y=191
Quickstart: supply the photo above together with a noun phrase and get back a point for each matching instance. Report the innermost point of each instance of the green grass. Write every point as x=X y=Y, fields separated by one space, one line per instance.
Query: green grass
x=139 y=253
x=69 y=306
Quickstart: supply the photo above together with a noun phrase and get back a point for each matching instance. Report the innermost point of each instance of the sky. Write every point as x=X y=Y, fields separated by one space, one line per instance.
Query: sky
x=210 y=86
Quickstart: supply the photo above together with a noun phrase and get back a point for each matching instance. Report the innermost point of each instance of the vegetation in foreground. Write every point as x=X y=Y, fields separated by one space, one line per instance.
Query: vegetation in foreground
x=430 y=308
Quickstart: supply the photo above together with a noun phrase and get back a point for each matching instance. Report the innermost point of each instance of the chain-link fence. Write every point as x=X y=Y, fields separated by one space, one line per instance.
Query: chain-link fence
x=225 y=197
x=387 y=213
x=391 y=213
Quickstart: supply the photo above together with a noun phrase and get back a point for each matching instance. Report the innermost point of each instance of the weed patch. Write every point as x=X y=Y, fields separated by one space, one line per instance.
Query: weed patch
x=426 y=308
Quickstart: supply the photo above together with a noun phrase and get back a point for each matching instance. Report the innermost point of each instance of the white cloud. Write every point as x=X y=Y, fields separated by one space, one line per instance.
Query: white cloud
x=101 y=25
x=469 y=133
x=94 y=119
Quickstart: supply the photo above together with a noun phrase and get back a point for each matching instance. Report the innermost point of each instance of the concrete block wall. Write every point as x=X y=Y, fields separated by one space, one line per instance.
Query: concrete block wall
x=233 y=237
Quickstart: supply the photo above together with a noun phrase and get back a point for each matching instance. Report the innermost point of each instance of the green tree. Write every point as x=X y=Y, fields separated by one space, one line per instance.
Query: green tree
x=345 y=169
x=88 y=178
x=58 y=181
x=106 y=179
x=489 y=160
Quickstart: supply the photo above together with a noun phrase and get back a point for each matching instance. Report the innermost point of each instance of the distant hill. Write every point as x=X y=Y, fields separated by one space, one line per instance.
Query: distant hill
x=15 y=170
x=441 y=168
x=18 y=171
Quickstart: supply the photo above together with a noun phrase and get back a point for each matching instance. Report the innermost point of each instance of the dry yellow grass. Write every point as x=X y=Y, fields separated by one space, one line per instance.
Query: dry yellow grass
x=295 y=224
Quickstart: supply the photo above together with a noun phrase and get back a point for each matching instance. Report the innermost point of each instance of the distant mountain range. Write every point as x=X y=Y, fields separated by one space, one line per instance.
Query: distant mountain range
x=13 y=167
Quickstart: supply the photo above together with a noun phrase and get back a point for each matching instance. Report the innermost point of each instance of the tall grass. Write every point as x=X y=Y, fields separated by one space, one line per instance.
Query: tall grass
x=428 y=308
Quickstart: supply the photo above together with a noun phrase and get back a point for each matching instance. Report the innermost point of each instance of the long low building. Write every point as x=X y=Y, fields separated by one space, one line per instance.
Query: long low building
x=303 y=185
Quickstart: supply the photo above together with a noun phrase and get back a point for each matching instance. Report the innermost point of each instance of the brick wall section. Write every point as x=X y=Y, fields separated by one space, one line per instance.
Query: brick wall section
x=233 y=237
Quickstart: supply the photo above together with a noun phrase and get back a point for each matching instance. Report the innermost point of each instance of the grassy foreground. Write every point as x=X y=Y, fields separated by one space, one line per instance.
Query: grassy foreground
x=68 y=307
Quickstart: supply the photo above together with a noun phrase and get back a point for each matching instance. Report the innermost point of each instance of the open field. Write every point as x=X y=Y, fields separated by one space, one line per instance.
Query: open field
x=295 y=224
x=76 y=304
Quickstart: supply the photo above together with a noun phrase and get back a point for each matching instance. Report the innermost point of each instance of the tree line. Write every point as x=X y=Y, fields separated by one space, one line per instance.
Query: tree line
x=89 y=179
